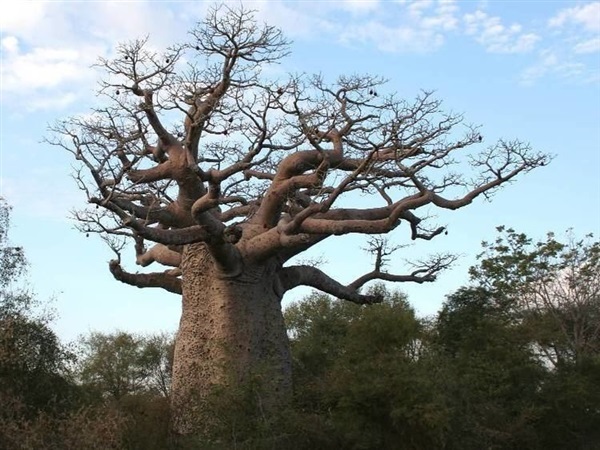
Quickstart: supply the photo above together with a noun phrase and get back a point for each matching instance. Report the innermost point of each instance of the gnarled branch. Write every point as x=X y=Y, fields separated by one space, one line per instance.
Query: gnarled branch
x=294 y=276
x=141 y=280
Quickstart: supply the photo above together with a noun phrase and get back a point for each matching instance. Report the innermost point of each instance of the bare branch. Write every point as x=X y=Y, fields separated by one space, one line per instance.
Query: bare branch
x=424 y=272
x=294 y=276
x=193 y=145
x=141 y=280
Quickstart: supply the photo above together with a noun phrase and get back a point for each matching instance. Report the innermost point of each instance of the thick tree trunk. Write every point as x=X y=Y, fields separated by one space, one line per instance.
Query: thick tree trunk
x=231 y=334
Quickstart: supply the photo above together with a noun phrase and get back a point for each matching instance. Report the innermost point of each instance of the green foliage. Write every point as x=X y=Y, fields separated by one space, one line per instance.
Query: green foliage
x=545 y=296
x=363 y=372
x=36 y=390
x=145 y=421
x=33 y=362
x=119 y=364
x=12 y=258
x=553 y=286
x=570 y=399
x=33 y=365
x=318 y=327
x=234 y=416
x=130 y=375
x=510 y=362
x=491 y=374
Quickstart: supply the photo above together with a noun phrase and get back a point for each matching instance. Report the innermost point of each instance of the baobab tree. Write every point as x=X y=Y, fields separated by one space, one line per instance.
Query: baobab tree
x=224 y=175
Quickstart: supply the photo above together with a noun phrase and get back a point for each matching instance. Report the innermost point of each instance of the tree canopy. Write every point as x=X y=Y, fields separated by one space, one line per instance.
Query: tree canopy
x=196 y=144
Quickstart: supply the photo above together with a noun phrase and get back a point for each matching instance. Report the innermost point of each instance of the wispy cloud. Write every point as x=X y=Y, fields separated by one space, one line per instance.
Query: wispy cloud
x=49 y=48
x=298 y=22
x=393 y=39
x=497 y=37
x=549 y=63
x=61 y=40
x=360 y=6
x=23 y=16
x=579 y=26
x=573 y=36
x=440 y=15
x=417 y=26
x=588 y=46
x=586 y=16
x=44 y=77
x=40 y=68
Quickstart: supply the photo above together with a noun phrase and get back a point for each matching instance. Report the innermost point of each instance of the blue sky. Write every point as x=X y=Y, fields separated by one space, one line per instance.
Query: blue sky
x=527 y=70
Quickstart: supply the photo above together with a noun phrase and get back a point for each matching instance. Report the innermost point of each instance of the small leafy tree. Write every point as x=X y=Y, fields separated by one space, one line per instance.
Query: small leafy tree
x=552 y=288
x=365 y=373
x=556 y=286
x=120 y=364
x=130 y=375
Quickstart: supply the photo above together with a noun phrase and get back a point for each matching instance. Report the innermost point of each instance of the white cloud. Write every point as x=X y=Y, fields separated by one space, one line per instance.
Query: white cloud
x=496 y=37
x=587 y=16
x=582 y=24
x=48 y=48
x=588 y=46
x=40 y=68
x=394 y=39
x=298 y=23
x=61 y=40
x=444 y=17
x=21 y=16
x=60 y=100
x=577 y=35
x=419 y=26
x=549 y=63
x=416 y=7
x=438 y=15
x=10 y=44
x=114 y=22
x=45 y=77
x=360 y=6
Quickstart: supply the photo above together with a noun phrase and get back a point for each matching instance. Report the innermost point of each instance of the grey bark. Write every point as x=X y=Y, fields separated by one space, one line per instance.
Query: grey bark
x=231 y=333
